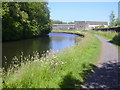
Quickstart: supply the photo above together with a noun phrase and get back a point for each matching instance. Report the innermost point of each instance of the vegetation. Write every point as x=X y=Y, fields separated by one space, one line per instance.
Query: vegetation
x=57 y=70
x=113 y=20
x=102 y=26
x=61 y=22
x=71 y=23
x=0 y=78
x=25 y=20
x=57 y=22
x=112 y=36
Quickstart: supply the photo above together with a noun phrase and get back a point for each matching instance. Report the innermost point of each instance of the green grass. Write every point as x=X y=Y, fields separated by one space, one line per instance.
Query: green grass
x=106 y=34
x=0 y=78
x=112 y=36
x=68 y=68
x=0 y=83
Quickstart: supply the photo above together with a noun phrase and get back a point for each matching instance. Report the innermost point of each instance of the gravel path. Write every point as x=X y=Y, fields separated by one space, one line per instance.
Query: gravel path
x=106 y=73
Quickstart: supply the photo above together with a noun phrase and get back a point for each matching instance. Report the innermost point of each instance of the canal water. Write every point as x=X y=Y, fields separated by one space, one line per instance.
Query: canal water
x=54 y=41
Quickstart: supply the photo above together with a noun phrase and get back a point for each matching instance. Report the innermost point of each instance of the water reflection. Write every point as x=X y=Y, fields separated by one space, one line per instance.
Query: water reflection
x=55 y=41
x=61 y=40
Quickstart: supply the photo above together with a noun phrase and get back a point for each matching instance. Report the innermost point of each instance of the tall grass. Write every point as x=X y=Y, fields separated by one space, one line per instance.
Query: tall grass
x=112 y=36
x=106 y=34
x=0 y=78
x=65 y=69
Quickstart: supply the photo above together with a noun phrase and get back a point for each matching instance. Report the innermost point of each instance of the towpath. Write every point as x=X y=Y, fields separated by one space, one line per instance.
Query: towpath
x=106 y=73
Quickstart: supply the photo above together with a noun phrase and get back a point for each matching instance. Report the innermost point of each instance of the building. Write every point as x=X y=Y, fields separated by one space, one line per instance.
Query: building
x=79 y=25
x=63 y=26
x=87 y=25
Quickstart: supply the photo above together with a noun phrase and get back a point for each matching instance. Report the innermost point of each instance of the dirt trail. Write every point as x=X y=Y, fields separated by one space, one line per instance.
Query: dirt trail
x=106 y=73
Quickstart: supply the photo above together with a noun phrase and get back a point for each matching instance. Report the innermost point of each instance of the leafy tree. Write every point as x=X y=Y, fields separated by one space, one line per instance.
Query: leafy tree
x=114 y=21
x=117 y=22
x=112 y=18
x=25 y=20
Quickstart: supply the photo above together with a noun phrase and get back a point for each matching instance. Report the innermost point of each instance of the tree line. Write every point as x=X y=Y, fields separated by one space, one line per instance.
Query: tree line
x=21 y=20
x=60 y=22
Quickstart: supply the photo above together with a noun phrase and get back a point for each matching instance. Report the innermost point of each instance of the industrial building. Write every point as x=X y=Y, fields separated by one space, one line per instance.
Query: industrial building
x=80 y=25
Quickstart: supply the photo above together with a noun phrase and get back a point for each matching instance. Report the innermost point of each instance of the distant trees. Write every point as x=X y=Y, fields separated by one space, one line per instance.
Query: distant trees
x=71 y=23
x=57 y=22
x=25 y=20
x=60 y=22
x=113 y=20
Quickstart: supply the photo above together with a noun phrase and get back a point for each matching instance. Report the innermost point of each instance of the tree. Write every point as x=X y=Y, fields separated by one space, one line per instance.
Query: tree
x=112 y=19
x=117 y=22
x=25 y=20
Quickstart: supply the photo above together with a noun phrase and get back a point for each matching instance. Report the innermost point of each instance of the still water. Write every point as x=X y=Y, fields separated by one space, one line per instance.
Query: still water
x=54 y=41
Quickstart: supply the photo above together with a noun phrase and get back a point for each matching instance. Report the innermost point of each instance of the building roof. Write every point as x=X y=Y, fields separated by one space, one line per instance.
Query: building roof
x=97 y=23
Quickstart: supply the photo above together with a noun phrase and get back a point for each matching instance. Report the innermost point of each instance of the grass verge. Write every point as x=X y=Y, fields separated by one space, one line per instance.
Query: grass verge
x=68 y=69
x=112 y=36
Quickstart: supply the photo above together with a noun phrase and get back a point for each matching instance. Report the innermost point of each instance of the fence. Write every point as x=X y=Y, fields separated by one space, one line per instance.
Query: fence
x=117 y=29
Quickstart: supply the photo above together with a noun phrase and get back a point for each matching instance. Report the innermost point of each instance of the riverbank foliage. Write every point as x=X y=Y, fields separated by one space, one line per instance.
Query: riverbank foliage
x=65 y=69
x=112 y=36
x=22 y=20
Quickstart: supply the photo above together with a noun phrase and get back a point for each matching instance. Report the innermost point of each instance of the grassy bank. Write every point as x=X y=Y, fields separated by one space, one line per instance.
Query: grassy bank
x=68 y=68
x=112 y=36
x=0 y=79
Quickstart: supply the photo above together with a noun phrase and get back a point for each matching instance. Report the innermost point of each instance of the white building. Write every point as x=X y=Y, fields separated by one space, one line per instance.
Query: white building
x=87 y=25
x=80 y=25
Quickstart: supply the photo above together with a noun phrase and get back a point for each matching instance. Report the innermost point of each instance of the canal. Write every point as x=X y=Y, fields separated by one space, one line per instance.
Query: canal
x=53 y=42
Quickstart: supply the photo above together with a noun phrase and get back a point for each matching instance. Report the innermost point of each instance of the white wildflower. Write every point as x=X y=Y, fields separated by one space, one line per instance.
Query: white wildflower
x=62 y=62
x=36 y=60
x=41 y=60
x=47 y=51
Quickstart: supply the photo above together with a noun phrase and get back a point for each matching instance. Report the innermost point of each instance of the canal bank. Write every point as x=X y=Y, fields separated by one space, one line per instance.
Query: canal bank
x=65 y=70
x=26 y=48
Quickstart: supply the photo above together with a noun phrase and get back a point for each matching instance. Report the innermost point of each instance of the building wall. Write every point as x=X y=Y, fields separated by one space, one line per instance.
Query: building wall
x=79 y=25
x=93 y=26
x=87 y=25
x=63 y=26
